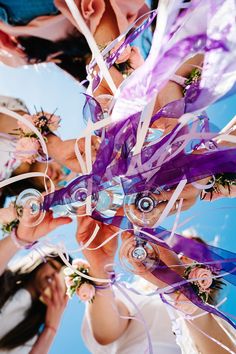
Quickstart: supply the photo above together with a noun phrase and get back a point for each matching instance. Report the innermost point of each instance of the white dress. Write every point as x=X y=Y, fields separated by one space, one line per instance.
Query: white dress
x=162 y=321
x=134 y=340
x=183 y=337
x=11 y=314
x=8 y=163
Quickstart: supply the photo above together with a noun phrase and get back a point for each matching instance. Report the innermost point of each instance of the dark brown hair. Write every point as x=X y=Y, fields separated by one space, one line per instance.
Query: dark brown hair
x=32 y=324
x=14 y=189
x=73 y=51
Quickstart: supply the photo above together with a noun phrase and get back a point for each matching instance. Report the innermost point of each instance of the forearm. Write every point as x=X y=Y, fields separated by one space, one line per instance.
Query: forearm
x=172 y=91
x=44 y=341
x=171 y=260
x=206 y=322
x=209 y=325
x=105 y=316
x=53 y=141
x=7 y=250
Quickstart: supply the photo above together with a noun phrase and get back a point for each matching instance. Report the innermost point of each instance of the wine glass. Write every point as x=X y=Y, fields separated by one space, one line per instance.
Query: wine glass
x=137 y=254
x=73 y=203
x=29 y=207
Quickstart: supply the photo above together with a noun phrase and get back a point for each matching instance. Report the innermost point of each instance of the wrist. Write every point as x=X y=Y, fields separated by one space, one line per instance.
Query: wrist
x=52 y=141
x=19 y=242
x=86 y=287
x=50 y=328
x=99 y=275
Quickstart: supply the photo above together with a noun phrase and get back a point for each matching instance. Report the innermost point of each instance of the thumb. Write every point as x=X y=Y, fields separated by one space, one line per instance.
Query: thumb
x=85 y=228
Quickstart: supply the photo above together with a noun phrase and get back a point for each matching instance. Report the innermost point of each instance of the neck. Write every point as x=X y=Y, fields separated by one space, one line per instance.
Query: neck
x=7 y=124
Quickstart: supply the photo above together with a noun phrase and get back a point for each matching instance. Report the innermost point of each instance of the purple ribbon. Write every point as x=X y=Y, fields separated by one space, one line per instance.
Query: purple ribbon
x=112 y=58
x=168 y=276
x=157 y=70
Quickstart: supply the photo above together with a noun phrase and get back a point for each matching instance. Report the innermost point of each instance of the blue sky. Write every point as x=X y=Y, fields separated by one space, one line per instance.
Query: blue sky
x=49 y=88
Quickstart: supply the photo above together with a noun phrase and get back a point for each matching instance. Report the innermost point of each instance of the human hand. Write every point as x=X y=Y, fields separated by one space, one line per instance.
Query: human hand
x=64 y=151
x=7 y=215
x=104 y=255
x=56 y=303
x=33 y=233
x=189 y=196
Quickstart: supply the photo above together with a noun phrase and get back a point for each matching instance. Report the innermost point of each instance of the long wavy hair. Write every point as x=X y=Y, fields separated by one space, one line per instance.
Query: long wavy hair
x=15 y=279
x=14 y=189
x=70 y=53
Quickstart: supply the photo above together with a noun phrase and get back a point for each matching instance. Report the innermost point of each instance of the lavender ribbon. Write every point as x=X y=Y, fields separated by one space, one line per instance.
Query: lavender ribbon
x=114 y=157
x=168 y=276
x=112 y=58
x=140 y=88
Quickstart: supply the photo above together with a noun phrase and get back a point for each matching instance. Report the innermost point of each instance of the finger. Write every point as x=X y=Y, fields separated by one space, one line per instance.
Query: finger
x=86 y=226
x=60 y=288
x=96 y=141
x=188 y=192
x=186 y=204
x=222 y=192
x=62 y=285
x=66 y=299
x=125 y=235
x=47 y=300
x=108 y=229
x=207 y=197
x=163 y=195
x=81 y=145
x=107 y=232
x=54 y=290
x=62 y=220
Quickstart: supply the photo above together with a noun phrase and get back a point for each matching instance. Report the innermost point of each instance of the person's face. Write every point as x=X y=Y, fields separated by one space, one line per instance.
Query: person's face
x=58 y=173
x=55 y=171
x=45 y=275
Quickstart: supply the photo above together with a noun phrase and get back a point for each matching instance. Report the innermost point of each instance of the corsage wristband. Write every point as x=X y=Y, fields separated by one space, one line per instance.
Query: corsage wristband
x=28 y=148
x=21 y=244
x=8 y=227
x=83 y=287
x=102 y=287
x=225 y=180
x=204 y=280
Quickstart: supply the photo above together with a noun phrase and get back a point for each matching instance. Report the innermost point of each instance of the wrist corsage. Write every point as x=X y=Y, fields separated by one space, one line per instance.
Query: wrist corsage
x=203 y=282
x=191 y=86
x=129 y=59
x=193 y=78
x=75 y=283
x=28 y=148
x=9 y=224
x=8 y=219
x=223 y=184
